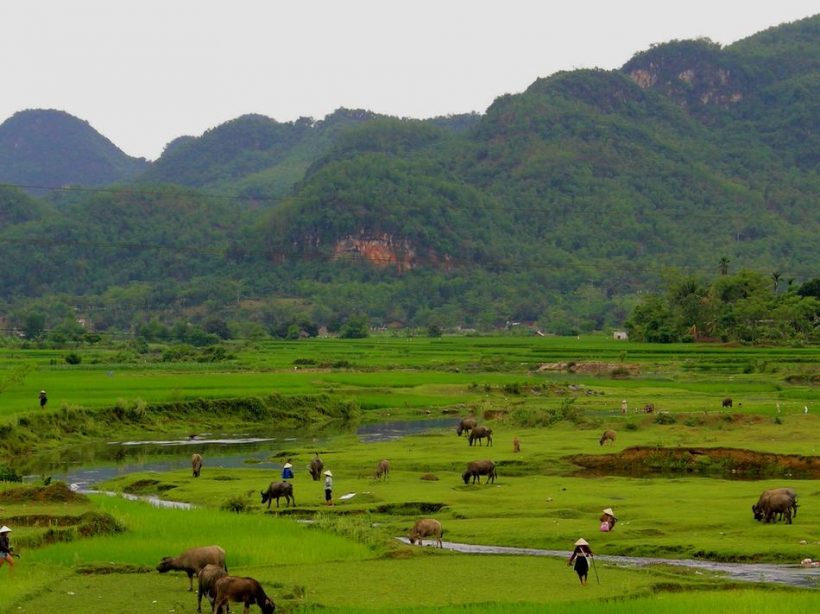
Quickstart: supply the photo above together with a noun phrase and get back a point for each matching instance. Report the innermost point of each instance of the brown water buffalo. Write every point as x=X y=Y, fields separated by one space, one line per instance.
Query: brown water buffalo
x=429 y=527
x=607 y=436
x=516 y=444
x=208 y=576
x=196 y=464
x=192 y=561
x=480 y=432
x=649 y=408
x=276 y=490
x=465 y=424
x=477 y=468
x=242 y=590
x=382 y=469
x=315 y=468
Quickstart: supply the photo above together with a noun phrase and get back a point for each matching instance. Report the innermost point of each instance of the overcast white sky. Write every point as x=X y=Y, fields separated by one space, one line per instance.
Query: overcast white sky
x=143 y=72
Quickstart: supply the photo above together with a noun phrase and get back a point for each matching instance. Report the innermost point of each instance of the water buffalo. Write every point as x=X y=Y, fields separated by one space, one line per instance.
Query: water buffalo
x=382 y=469
x=480 y=432
x=607 y=436
x=727 y=402
x=465 y=424
x=315 y=468
x=777 y=503
x=649 y=408
x=193 y=560
x=429 y=527
x=242 y=590
x=759 y=508
x=276 y=490
x=196 y=464
x=208 y=576
x=477 y=468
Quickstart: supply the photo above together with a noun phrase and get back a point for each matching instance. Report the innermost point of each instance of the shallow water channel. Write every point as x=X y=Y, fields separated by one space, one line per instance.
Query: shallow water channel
x=84 y=467
x=792 y=575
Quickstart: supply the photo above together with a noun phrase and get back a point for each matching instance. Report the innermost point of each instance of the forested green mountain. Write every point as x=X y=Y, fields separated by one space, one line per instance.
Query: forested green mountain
x=52 y=149
x=561 y=205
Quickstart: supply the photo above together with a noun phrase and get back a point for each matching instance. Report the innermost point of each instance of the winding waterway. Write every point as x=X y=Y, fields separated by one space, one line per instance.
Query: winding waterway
x=792 y=575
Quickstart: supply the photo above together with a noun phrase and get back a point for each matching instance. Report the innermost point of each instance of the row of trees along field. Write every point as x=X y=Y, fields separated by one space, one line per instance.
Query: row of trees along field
x=746 y=307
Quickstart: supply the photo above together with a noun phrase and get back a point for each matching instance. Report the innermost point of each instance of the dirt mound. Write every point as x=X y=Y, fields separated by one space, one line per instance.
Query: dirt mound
x=593 y=368
x=55 y=492
x=641 y=460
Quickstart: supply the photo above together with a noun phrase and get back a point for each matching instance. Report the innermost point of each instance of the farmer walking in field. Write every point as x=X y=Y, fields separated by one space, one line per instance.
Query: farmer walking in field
x=579 y=556
x=5 y=548
x=328 y=488
x=43 y=399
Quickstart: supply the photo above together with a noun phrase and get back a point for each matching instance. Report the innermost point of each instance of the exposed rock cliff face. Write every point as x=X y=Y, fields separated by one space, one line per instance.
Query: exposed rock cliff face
x=381 y=251
x=694 y=73
x=385 y=250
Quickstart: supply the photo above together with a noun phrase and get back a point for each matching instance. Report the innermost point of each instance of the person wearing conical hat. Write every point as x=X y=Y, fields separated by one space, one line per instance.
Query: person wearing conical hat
x=287 y=470
x=579 y=557
x=608 y=520
x=5 y=548
x=43 y=399
x=328 y=487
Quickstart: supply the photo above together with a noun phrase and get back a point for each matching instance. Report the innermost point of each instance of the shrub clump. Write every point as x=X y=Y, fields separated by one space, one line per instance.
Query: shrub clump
x=237 y=504
x=665 y=418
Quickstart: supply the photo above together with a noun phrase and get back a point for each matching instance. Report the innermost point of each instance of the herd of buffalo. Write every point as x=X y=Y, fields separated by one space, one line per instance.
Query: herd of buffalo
x=208 y=563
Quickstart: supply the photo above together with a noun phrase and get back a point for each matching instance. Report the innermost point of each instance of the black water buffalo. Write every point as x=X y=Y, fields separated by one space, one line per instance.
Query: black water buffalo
x=276 y=490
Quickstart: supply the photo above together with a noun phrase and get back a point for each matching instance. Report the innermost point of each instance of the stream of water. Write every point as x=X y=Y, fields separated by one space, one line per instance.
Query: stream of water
x=792 y=575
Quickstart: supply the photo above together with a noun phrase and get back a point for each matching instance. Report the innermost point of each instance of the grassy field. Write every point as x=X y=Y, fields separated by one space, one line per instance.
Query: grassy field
x=555 y=395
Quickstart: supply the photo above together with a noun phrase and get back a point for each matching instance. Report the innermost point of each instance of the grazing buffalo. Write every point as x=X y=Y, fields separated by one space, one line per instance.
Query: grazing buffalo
x=192 y=561
x=480 y=432
x=649 y=408
x=196 y=464
x=429 y=527
x=208 y=576
x=382 y=469
x=760 y=509
x=242 y=590
x=477 y=468
x=727 y=402
x=315 y=468
x=465 y=424
x=276 y=490
x=607 y=436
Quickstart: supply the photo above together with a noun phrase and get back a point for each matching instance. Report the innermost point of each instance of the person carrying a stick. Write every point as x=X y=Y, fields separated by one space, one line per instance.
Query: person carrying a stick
x=579 y=557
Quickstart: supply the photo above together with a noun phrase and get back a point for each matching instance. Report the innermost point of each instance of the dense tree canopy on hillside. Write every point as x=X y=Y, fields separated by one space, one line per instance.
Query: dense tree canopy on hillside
x=565 y=207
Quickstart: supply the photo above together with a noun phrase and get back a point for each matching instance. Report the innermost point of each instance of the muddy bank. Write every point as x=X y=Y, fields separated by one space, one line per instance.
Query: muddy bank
x=791 y=575
x=726 y=462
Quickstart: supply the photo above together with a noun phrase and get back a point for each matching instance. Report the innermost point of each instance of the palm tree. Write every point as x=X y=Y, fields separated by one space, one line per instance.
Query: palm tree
x=724 y=265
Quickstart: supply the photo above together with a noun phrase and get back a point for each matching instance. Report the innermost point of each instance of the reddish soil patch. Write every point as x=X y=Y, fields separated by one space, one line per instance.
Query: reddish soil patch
x=641 y=460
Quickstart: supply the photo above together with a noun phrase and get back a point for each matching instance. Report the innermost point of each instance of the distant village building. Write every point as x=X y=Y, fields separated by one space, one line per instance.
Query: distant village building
x=620 y=335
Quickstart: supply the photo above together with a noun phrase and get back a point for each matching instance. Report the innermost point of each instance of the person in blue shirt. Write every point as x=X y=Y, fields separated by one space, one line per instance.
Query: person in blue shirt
x=287 y=470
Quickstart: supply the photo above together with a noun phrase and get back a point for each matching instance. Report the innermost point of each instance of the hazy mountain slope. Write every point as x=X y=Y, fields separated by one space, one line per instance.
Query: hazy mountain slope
x=52 y=148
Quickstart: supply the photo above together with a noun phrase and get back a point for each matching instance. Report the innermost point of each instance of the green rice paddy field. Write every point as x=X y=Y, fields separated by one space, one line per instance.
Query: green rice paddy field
x=677 y=500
